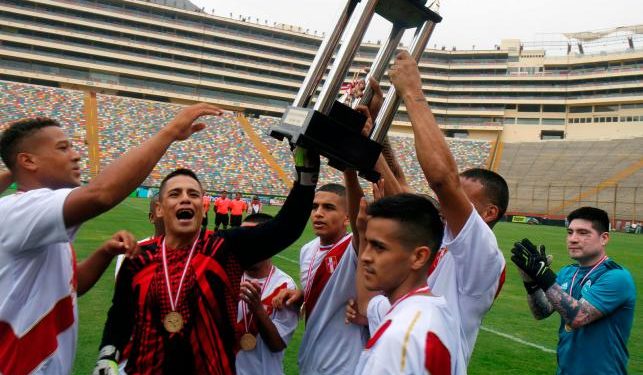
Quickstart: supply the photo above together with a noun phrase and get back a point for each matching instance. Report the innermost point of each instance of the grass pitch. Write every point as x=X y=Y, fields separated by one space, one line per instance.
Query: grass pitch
x=511 y=341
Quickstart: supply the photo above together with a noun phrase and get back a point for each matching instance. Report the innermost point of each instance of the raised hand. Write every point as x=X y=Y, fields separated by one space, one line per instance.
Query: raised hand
x=182 y=125
x=122 y=242
x=405 y=75
x=533 y=261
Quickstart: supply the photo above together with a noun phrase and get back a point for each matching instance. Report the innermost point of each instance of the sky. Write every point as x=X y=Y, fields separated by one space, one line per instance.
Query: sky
x=466 y=23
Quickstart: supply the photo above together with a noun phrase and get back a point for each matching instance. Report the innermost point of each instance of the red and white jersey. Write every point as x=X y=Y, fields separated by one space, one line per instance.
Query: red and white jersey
x=469 y=272
x=418 y=336
x=329 y=346
x=38 y=311
x=261 y=360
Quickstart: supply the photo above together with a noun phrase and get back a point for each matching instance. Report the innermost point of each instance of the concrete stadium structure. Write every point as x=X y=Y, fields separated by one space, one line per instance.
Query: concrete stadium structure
x=580 y=107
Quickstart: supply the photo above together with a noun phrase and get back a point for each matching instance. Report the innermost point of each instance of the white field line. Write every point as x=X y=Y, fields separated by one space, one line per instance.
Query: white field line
x=287 y=259
x=518 y=340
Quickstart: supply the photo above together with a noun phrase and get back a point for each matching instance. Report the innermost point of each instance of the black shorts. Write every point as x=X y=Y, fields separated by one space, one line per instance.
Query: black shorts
x=221 y=219
x=235 y=220
x=204 y=222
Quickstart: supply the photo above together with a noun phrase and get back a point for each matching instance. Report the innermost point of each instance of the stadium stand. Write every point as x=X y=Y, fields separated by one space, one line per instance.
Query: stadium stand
x=554 y=177
x=19 y=101
x=221 y=154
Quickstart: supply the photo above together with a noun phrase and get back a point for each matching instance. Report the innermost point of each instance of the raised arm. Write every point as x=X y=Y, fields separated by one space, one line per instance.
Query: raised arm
x=254 y=244
x=125 y=174
x=434 y=156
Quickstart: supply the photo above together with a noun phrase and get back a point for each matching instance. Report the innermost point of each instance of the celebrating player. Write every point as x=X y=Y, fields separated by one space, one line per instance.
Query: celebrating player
x=469 y=268
x=39 y=279
x=418 y=333
x=327 y=274
x=179 y=299
x=264 y=331
x=595 y=297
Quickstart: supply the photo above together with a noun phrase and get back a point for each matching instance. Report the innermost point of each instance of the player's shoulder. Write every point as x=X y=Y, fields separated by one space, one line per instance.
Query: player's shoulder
x=310 y=245
x=617 y=272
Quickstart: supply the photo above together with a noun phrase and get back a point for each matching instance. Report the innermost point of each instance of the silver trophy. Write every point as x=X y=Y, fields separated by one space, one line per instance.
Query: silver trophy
x=332 y=128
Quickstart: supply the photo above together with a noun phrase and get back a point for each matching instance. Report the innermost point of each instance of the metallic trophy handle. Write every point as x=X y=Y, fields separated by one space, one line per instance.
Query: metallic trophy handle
x=392 y=101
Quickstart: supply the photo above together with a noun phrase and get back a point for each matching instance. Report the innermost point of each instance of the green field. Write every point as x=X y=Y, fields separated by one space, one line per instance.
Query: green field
x=498 y=349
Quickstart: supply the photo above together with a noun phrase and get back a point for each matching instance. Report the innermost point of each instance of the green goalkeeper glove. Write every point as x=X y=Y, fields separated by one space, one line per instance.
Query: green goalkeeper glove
x=534 y=263
x=307 y=166
x=107 y=363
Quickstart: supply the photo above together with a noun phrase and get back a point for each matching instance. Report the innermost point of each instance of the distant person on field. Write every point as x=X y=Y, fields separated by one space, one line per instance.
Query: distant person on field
x=255 y=206
x=595 y=296
x=237 y=208
x=263 y=331
x=39 y=278
x=222 y=209
x=206 y=209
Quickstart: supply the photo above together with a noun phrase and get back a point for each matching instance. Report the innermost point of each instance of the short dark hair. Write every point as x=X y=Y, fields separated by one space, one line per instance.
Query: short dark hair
x=334 y=188
x=495 y=188
x=599 y=218
x=17 y=132
x=258 y=218
x=177 y=172
x=419 y=220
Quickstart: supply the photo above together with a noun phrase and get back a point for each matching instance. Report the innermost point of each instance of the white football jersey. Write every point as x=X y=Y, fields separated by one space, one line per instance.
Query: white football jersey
x=469 y=274
x=418 y=336
x=38 y=311
x=329 y=346
x=261 y=360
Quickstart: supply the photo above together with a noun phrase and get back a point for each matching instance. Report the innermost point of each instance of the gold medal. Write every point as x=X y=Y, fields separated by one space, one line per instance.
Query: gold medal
x=568 y=328
x=173 y=322
x=248 y=342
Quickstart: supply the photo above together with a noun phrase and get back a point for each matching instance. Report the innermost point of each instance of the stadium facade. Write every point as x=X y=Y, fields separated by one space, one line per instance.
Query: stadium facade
x=512 y=96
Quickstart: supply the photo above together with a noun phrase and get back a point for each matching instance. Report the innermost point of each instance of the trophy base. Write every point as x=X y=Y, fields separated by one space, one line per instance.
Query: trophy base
x=336 y=136
x=408 y=14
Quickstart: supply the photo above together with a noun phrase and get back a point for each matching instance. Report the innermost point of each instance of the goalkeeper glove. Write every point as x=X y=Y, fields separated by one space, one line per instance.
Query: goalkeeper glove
x=107 y=363
x=534 y=263
x=307 y=166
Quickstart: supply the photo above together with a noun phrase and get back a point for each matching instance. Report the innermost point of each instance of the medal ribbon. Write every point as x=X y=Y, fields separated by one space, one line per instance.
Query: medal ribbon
x=422 y=289
x=571 y=287
x=244 y=306
x=174 y=302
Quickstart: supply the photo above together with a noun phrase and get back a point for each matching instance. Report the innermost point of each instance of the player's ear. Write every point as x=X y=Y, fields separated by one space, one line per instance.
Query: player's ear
x=421 y=256
x=157 y=208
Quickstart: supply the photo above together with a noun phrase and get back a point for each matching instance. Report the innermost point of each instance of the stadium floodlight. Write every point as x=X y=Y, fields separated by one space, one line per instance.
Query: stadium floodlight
x=333 y=128
x=580 y=48
x=630 y=42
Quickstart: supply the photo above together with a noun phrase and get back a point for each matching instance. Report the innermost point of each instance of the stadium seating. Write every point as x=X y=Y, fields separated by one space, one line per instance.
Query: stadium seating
x=18 y=101
x=468 y=154
x=221 y=155
x=554 y=177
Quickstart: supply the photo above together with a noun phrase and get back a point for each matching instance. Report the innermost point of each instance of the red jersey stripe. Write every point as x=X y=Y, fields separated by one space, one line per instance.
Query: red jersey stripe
x=40 y=341
x=437 y=359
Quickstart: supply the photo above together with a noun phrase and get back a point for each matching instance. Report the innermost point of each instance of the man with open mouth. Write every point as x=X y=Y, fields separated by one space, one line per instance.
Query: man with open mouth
x=178 y=300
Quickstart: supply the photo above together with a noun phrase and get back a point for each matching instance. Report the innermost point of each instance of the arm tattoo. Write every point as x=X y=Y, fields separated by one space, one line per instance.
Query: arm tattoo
x=576 y=313
x=539 y=305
